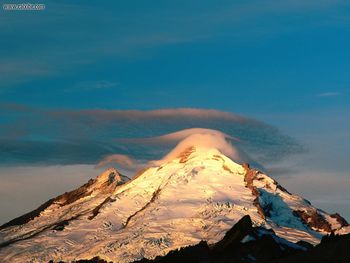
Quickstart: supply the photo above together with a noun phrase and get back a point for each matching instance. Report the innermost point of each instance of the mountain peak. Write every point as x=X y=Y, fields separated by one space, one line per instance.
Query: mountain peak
x=109 y=176
x=202 y=143
x=197 y=152
x=196 y=193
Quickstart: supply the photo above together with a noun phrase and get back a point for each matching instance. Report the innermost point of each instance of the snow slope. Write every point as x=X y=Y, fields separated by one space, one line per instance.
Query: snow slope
x=198 y=195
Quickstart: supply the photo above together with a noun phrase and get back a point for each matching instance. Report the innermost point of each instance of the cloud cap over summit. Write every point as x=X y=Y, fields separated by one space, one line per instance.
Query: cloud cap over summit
x=47 y=136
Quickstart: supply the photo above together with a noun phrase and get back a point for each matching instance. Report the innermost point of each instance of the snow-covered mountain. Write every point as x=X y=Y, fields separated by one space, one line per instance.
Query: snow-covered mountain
x=197 y=195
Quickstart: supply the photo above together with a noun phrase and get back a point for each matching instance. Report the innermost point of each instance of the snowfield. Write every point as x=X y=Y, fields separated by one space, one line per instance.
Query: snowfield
x=198 y=195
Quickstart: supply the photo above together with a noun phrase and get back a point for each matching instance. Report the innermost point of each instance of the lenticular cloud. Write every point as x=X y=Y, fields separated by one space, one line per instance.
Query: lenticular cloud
x=205 y=140
x=184 y=139
x=104 y=136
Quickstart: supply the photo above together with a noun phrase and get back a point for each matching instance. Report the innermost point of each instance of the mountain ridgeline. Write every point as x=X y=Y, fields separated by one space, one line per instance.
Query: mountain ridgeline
x=199 y=206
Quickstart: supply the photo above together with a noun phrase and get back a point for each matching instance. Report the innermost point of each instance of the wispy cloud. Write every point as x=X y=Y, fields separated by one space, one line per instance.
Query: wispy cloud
x=121 y=160
x=60 y=35
x=93 y=85
x=87 y=136
x=329 y=94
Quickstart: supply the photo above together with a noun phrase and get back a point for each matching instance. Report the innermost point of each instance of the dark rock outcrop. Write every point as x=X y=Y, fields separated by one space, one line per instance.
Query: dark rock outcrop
x=314 y=220
x=341 y=220
x=96 y=210
x=262 y=248
x=61 y=225
x=332 y=249
x=234 y=236
x=93 y=260
x=184 y=156
x=249 y=179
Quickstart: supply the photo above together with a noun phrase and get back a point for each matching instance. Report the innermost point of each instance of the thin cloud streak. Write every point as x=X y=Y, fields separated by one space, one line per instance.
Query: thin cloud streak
x=169 y=27
x=175 y=137
x=329 y=94
x=121 y=160
x=87 y=136
x=93 y=86
x=206 y=139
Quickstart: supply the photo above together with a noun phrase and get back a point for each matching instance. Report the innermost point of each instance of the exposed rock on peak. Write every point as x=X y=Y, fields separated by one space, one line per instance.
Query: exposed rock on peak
x=58 y=212
x=183 y=156
x=341 y=220
x=108 y=177
x=314 y=219
x=197 y=195
x=249 y=177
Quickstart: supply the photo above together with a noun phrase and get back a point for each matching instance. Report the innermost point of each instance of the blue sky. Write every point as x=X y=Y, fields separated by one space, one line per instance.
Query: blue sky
x=281 y=62
x=235 y=54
